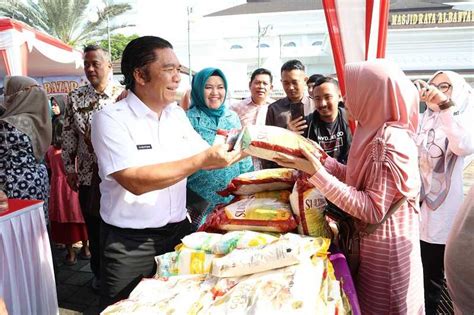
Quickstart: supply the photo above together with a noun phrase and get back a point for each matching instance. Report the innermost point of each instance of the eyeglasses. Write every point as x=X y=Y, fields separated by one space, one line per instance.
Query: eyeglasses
x=443 y=86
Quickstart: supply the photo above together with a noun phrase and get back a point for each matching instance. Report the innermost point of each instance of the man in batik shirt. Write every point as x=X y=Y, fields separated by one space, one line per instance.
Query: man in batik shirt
x=78 y=155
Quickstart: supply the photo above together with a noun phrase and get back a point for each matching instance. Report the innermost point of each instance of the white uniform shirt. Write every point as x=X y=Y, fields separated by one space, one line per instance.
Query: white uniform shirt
x=129 y=134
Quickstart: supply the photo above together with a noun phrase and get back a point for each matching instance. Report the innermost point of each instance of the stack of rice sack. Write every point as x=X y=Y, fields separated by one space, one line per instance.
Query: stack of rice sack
x=307 y=203
x=261 y=203
x=251 y=273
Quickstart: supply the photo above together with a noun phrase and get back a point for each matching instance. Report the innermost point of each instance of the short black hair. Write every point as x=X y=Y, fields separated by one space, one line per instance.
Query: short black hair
x=261 y=71
x=292 y=65
x=324 y=79
x=314 y=77
x=95 y=47
x=138 y=54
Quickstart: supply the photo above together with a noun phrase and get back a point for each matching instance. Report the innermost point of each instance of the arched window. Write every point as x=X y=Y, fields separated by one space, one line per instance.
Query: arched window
x=236 y=46
x=317 y=43
x=263 y=45
x=290 y=44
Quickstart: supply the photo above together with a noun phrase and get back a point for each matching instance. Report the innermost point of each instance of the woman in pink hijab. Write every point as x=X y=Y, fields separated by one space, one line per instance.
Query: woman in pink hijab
x=382 y=168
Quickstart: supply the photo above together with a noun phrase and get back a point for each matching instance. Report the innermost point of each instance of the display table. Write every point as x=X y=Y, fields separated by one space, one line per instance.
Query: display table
x=27 y=281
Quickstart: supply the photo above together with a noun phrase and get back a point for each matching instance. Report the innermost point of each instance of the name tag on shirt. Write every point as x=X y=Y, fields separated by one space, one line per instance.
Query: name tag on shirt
x=143 y=146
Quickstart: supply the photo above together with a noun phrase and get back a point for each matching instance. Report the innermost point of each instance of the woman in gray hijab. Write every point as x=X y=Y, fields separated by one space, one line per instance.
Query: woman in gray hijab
x=25 y=134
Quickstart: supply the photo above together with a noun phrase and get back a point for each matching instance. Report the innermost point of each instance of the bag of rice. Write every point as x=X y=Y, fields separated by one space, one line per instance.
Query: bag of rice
x=250 y=213
x=265 y=141
x=289 y=250
x=258 y=181
x=183 y=261
x=308 y=206
x=241 y=240
x=201 y=241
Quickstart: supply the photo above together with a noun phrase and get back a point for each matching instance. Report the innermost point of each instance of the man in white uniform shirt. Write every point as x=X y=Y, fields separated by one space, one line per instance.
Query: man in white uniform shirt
x=146 y=148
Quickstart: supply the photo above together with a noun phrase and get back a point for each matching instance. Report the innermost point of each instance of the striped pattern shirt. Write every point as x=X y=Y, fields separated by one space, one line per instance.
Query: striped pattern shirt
x=390 y=278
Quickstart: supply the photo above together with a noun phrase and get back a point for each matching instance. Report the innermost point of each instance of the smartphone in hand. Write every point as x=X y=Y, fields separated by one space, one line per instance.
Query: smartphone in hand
x=296 y=111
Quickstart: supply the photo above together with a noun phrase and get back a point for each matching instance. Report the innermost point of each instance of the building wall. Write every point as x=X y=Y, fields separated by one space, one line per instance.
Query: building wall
x=419 y=48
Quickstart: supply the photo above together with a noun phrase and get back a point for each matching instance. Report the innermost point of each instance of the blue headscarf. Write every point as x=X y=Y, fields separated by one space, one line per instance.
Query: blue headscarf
x=197 y=92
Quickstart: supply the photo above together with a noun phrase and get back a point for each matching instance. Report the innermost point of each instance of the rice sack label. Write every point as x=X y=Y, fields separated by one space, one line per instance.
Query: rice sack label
x=266 y=141
x=259 y=181
x=308 y=204
x=271 y=214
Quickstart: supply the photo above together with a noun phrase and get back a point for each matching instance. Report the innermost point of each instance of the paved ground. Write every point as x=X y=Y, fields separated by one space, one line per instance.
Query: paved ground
x=73 y=284
x=75 y=295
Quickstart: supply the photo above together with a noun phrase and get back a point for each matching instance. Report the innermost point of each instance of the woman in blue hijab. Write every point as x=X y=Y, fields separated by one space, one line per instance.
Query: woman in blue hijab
x=208 y=113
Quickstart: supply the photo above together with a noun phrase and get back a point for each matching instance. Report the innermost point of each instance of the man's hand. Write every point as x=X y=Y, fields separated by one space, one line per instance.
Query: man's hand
x=218 y=156
x=297 y=125
x=73 y=181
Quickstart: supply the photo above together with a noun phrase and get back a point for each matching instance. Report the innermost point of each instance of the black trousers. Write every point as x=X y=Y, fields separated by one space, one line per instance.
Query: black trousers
x=128 y=256
x=432 y=257
x=92 y=220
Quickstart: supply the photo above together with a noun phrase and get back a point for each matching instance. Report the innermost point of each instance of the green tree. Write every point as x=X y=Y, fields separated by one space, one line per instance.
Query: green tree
x=66 y=20
x=117 y=44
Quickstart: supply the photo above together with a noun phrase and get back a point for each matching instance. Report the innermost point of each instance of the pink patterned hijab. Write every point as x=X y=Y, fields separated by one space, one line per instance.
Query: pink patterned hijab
x=385 y=103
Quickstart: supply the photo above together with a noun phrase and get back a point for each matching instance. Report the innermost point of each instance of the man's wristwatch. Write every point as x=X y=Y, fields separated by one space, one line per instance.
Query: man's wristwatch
x=445 y=104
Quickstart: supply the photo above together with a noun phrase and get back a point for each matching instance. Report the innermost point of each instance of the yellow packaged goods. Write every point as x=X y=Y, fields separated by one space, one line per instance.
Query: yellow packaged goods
x=266 y=141
x=183 y=261
x=263 y=180
x=308 y=287
x=250 y=213
x=221 y=244
x=290 y=249
x=242 y=240
x=308 y=206
x=175 y=295
x=201 y=241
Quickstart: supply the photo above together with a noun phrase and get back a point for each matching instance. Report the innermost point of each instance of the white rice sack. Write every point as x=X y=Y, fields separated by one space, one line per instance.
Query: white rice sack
x=201 y=241
x=290 y=249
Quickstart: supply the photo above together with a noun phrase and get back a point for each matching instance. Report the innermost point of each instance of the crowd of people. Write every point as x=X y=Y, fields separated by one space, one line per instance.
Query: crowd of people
x=121 y=158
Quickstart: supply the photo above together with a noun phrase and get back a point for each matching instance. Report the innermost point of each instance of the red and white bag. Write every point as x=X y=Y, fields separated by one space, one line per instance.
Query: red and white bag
x=308 y=205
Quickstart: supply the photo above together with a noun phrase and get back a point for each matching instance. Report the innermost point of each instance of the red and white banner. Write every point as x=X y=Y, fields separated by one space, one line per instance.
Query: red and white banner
x=358 y=31
x=26 y=51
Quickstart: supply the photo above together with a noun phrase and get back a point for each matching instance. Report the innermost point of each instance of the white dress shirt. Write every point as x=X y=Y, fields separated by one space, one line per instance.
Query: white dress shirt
x=129 y=134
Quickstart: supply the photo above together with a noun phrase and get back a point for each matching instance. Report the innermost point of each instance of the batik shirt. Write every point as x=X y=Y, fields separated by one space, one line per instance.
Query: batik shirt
x=82 y=104
x=21 y=175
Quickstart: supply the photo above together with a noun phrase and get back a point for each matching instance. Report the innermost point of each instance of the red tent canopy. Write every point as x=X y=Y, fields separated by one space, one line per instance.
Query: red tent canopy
x=26 y=51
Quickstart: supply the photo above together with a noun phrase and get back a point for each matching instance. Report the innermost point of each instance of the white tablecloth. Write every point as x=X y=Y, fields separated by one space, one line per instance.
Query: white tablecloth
x=27 y=281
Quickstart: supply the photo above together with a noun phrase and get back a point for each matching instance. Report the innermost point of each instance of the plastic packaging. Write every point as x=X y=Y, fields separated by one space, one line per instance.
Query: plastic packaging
x=289 y=250
x=308 y=204
x=259 y=181
x=255 y=214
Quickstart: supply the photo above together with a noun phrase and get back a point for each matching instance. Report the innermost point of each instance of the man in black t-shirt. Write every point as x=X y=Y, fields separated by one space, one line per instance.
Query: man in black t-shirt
x=327 y=125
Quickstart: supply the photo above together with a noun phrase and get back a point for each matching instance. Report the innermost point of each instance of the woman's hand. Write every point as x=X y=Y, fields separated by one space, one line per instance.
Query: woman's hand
x=431 y=95
x=311 y=164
